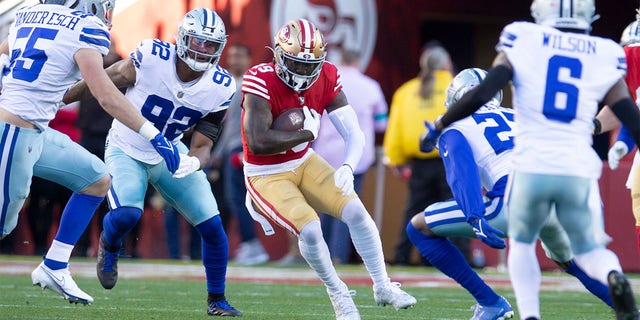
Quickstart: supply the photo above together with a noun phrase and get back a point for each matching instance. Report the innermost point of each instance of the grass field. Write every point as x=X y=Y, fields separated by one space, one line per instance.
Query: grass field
x=150 y=289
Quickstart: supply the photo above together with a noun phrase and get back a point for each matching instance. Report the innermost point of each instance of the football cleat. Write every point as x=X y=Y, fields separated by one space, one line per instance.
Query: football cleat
x=390 y=293
x=222 y=308
x=251 y=253
x=624 y=302
x=499 y=311
x=107 y=266
x=343 y=305
x=61 y=282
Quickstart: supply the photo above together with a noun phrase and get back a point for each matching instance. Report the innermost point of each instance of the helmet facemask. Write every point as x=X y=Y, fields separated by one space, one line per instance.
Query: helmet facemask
x=201 y=39
x=297 y=73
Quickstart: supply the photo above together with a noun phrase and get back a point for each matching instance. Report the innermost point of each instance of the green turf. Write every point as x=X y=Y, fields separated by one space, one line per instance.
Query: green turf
x=181 y=299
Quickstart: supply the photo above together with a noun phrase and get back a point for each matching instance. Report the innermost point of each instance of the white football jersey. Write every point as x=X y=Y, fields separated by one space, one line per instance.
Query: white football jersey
x=42 y=42
x=559 y=78
x=171 y=105
x=489 y=134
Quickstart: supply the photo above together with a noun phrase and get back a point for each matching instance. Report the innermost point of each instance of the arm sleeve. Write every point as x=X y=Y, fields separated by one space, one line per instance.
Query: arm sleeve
x=462 y=173
x=627 y=112
x=346 y=122
x=211 y=125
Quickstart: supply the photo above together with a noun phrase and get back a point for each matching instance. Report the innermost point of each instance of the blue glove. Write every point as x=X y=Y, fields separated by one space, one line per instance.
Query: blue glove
x=168 y=151
x=486 y=233
x=429 y=138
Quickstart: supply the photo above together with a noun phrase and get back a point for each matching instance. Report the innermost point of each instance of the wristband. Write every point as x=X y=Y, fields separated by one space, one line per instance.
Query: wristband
x=148 y=131
x=597 y=126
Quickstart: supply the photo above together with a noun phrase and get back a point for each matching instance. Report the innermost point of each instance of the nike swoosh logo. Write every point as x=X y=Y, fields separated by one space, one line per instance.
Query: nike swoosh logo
x=165 y=147
x=52 y=275
x=446 y=153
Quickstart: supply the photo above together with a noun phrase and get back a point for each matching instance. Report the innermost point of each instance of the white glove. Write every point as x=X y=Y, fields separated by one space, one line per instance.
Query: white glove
x=617 y=151
x=311 y=121
x=343 y=178
x=188 y=165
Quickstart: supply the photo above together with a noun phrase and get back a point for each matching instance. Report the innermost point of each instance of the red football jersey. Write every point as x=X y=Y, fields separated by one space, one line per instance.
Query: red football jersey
x=262 y=81
x=632 y=52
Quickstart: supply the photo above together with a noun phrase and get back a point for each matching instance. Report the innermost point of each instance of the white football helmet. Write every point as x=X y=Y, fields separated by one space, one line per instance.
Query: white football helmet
x=631 y=34
x=464 y=81
x=571 y=14
x=201 y=39
x=299 y=53
x=103 y=9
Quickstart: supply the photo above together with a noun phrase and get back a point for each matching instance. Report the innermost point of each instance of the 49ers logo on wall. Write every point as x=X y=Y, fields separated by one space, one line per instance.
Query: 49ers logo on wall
x=345 y=24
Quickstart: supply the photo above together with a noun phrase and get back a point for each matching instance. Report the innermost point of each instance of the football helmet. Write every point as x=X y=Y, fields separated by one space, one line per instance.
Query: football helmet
x=299 y=52
x=464 y=81
x=201 y=39
x=103 y=9
x=631 y=34
x=575 y=14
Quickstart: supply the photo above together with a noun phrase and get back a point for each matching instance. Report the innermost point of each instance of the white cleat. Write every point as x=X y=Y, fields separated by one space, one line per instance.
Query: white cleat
x=390 y=293
x=61 y=282
x=343 y=305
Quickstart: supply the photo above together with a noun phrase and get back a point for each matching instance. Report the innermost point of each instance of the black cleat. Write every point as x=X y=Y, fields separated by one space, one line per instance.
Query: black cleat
x=222 y=308
x=107 y=265
x=624 y=302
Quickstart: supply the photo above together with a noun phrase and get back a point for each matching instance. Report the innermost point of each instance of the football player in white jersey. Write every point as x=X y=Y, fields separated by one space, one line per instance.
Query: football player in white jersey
x=560 y=74
x=176 y=87
x=51 y=45
x=477 y=153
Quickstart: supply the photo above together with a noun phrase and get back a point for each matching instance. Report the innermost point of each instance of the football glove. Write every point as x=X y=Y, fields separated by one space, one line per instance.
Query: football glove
x=311 y=121
x=429 y=138
x=486 y=233
x=168 y=151
x=617 y=151
x=188 y=165
x=343 y=179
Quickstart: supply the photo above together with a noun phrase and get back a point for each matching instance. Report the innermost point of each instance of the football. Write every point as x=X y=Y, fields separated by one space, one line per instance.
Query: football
x=289 y=120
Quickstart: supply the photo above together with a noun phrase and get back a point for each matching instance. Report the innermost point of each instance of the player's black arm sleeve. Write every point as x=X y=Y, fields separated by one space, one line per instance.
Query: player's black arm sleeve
x=496 y=79
x=211 y=125
x=627 y=112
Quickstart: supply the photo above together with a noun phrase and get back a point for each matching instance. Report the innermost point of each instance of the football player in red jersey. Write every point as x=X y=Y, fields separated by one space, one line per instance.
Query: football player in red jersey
x=287 y=182
x=630 y=40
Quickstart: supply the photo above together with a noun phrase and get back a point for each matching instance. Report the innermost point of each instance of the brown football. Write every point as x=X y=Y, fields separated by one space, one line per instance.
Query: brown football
x=289 y=120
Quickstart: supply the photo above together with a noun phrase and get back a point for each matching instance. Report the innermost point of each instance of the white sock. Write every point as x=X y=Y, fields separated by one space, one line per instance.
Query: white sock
x=598 y=263
x=366 y=240
x=524 y=272
x=315 y=251
x=59 y=251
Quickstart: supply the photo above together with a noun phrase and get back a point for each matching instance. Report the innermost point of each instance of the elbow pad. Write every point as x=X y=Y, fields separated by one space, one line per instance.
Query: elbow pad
x=211 y=125
x=346 y=122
